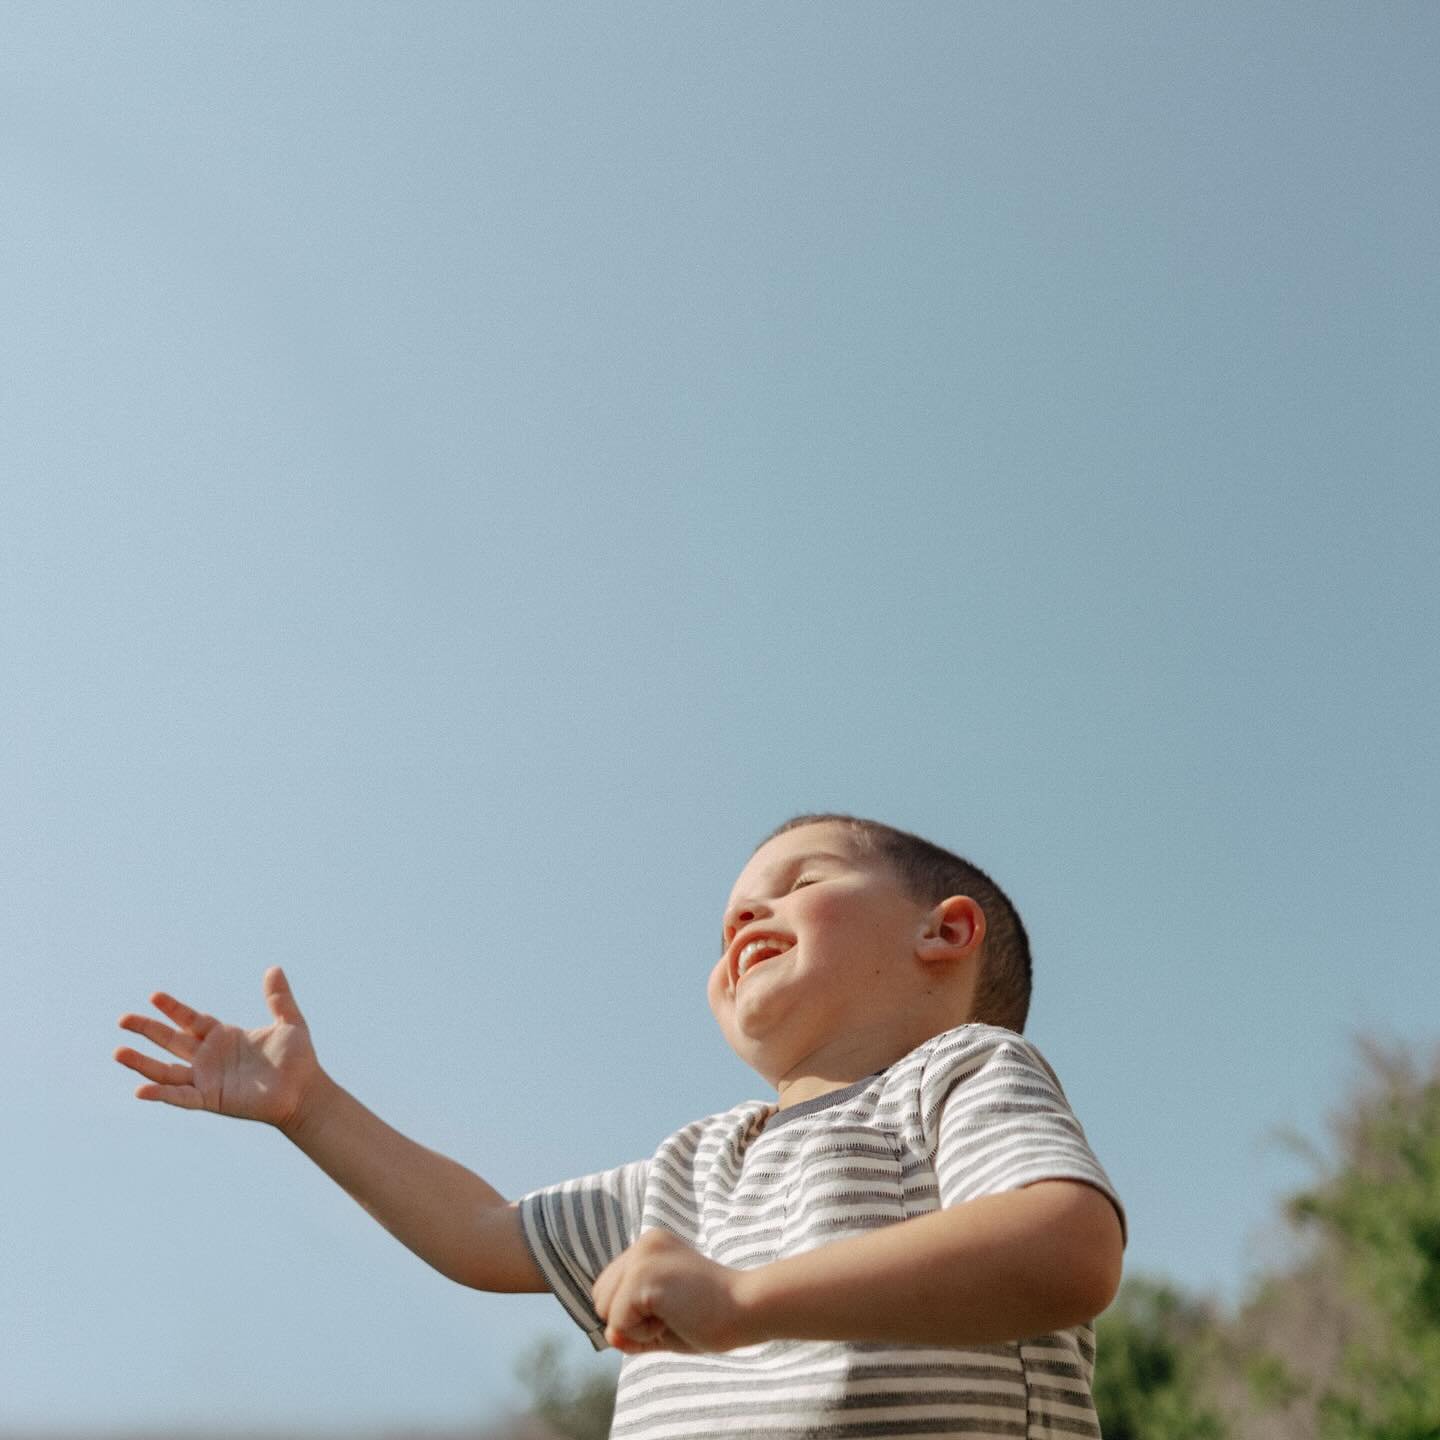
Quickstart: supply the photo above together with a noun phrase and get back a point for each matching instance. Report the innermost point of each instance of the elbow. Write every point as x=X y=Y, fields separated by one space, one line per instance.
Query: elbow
x=1087 y=1249
x=1086 y=1292
x=1097 y=1280
x=1097 y=1292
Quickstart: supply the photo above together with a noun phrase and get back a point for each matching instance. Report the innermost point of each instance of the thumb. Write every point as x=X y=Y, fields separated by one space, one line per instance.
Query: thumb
x=279 y=998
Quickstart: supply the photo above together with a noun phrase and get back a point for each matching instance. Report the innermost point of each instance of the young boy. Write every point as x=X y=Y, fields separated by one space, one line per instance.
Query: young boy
x=913 y=1240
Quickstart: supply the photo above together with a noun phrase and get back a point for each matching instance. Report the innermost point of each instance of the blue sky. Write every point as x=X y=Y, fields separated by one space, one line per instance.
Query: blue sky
x=470 y=471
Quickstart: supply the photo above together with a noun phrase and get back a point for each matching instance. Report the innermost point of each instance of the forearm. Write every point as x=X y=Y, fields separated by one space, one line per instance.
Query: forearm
x=997 y=1269
x=446 y=1214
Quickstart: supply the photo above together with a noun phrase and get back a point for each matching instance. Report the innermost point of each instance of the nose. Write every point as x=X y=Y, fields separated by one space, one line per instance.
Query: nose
x=740 y=914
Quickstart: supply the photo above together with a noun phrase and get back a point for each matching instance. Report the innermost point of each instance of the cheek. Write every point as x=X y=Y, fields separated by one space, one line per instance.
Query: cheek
x=825 y=913
x=717 y=985
x=722 y=1003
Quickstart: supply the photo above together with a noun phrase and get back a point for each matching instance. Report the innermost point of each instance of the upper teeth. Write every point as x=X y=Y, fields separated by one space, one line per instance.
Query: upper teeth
x=753 y=950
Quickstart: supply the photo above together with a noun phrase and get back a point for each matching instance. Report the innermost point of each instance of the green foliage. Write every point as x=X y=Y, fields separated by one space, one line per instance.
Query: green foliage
x=1148 y=1350
x=1271 y=1382
x=577 y=1404
x=1378 y=1208
x=1342 y=1343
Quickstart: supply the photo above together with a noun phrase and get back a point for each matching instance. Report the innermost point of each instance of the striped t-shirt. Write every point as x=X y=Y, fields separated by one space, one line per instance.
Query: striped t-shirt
x=973 y=1112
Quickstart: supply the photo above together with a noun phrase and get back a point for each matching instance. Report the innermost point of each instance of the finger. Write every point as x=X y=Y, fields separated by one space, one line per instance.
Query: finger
x=162 y=1035
x=185 y=1096
x=639 y=1341
x=187 y=1019
x=280 y=998
x=630 y=1318
x=156 y=1070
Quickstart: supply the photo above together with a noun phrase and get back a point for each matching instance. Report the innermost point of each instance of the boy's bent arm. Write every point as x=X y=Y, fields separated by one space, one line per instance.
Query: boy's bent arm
x=996 y=1269
x=446 y=1214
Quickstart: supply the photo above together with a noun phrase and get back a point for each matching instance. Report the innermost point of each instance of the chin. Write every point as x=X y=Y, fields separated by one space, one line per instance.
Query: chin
x=750 y=1051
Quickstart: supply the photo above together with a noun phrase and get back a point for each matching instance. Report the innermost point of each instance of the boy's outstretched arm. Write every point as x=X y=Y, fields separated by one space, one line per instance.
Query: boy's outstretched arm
x=995 y=1269
x=443 y=1212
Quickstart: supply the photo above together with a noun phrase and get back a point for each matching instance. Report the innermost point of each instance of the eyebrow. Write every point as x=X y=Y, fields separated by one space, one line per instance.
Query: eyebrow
x=799 y=862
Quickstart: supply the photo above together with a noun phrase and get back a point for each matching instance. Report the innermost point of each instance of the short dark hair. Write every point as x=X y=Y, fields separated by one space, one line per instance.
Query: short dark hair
x=930 y=875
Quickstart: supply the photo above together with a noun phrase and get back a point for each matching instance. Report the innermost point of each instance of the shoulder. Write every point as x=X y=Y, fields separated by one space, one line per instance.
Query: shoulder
x=975 y=1044
x=978 y=1057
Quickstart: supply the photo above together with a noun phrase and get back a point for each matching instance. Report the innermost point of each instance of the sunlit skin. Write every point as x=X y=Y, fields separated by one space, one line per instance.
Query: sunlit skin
x=450 y=1217
x=871 y=974
x=262 y=1074
x=868 y=974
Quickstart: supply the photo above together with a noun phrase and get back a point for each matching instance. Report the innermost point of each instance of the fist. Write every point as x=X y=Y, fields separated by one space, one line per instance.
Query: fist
x=660 y=1294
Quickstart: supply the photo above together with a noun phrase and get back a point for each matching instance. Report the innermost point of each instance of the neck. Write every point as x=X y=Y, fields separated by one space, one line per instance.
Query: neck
x=843 y=1062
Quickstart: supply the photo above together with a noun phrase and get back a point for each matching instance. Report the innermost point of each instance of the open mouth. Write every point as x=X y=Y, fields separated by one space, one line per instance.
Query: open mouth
x=756 y=952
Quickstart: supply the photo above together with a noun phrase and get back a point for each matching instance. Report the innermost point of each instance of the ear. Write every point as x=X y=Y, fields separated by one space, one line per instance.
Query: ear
x=954 y=930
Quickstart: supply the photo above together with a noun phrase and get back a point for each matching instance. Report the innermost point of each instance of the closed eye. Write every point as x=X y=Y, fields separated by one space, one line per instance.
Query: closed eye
x=726 y=935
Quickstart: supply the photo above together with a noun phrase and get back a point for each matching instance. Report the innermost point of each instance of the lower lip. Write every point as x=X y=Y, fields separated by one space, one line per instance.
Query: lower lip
x=756 y=964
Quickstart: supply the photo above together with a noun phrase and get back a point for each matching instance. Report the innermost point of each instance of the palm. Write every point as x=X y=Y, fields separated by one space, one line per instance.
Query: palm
x=249 y=1074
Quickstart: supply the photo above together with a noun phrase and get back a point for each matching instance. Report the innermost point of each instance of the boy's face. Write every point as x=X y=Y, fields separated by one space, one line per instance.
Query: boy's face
x=842 y=969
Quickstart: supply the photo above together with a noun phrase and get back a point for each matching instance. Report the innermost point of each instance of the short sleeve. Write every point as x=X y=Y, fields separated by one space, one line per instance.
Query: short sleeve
x=575 y=1229
x=994 y=1118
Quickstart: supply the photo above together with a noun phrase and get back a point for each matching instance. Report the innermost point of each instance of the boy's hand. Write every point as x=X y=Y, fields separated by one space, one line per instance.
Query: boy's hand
x=661 y=1295
x=251 y=1074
